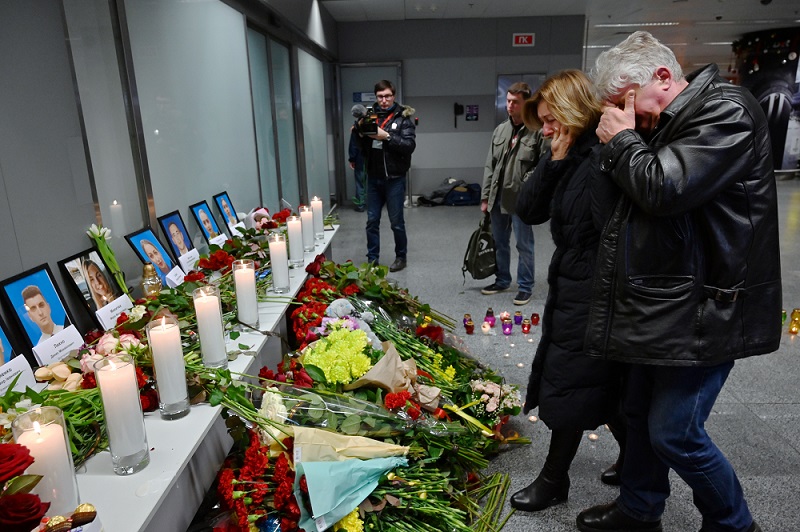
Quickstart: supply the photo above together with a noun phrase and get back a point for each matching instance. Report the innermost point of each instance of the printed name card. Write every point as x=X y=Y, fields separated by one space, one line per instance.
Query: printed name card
x=9 y=371
x=175 y=277
x=237 y=228
x=189 y=260
x=218 y=240
x=58 y=346
x=107 y=316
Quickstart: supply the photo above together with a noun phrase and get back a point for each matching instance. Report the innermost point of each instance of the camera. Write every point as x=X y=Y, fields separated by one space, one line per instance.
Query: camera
x=367 y=118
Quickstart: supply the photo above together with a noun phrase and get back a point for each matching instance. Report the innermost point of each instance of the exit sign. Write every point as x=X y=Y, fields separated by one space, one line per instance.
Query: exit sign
x=524 y=39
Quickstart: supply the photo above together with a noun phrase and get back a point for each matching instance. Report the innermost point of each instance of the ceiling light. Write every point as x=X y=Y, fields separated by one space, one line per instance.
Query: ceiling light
x=718 y=43
x=635 y=24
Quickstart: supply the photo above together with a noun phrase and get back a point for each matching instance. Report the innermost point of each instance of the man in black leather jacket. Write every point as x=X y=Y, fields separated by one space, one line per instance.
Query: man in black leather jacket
x=688 y=273
x=388 y=158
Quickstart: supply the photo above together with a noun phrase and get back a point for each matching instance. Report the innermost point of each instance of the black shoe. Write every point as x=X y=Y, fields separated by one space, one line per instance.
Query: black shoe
x=359 y=208
x=493 y=288
x=611 y=476
x=397 y=265
x=522 y=298
x=540 y=494
x=753 y=528
x=609 y=518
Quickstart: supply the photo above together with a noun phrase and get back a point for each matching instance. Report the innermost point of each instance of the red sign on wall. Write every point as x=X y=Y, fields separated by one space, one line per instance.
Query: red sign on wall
x=524 y=39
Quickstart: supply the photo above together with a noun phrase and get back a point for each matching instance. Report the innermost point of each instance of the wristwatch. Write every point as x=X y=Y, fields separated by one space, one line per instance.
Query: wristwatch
x=388 y=137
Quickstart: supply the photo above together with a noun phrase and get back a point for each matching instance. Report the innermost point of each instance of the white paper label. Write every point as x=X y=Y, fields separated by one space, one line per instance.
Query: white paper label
x=189 y=260
x=218 y=240
x=58 y=346
x=237 y=228
x=298 y=455
x=16 y=366
x=321 y=524
x=175 y=277
x=108 y=315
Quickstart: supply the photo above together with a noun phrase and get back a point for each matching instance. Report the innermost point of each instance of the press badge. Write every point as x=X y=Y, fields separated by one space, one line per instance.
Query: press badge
x=377 y=144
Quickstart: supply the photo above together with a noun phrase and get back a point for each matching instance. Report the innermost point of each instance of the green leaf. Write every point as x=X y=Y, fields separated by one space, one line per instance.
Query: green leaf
x=244 y=347
x=22 y=484
x=316 y=374
x=351 y=424
x=216 y=397
x=235 y=334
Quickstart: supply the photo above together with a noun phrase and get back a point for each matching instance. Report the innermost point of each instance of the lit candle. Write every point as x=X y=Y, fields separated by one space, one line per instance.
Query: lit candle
x=486 y=328
x=469 y=326
x=41 y=430
x=307 y=222
x=316 y=209
x=209 y=326
x=518 y=317
x=526 y=326
x=489 y=318
x=117 y=219
x=293 y=227
x=164 y=337
x=244 y=278
x=507 y=326
x=280 y=263
x=535 y=319
x=116 y=378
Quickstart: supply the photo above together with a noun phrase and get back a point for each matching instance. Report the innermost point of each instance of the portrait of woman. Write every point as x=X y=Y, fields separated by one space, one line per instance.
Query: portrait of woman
x=100 y=287
x=226 y=208
x=149 y=249
x=206 y=222
x=175 y=231
x=89 y=276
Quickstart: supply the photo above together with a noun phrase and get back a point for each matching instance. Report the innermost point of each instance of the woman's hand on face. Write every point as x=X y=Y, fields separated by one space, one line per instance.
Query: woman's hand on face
x=561 y=143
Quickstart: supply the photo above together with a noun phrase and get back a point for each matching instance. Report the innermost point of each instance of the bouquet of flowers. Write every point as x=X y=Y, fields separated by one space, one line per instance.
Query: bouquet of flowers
x=20 y=510
x=492 y=401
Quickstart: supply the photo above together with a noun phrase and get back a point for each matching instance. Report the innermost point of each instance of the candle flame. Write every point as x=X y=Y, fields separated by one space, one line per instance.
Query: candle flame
x=37 y=428
x=163 y=323
x=114 y=202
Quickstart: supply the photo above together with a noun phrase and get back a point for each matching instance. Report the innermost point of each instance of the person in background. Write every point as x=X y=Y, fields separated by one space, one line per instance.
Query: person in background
x=688 y=275
x=573 y=391
x=356 y=161
x=514 y=152
x=387 y=156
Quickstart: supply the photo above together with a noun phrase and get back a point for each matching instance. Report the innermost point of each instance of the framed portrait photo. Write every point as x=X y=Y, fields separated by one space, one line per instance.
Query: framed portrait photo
x=205 y=220
x=176 y=234
x=225 y=208
x=6 y=349
x=88 y=274
x=35 y=302
x=149 y=249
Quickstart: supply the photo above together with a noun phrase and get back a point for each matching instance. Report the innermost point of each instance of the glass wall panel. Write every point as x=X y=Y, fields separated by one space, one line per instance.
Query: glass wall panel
x=193 y=84
x=284 y=118
x=315 y=138
x=262 y=107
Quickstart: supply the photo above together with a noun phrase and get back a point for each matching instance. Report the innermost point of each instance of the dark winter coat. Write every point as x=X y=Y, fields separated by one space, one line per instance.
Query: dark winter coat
x=572 y=390
x=395 y=153
x=688 y=272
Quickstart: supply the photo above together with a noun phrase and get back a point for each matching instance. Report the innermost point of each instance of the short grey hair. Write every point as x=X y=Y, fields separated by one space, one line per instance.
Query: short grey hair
x=632 y=62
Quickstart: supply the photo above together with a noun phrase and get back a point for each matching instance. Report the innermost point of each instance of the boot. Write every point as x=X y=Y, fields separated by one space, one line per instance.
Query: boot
x=611 y=476
x=552 y=485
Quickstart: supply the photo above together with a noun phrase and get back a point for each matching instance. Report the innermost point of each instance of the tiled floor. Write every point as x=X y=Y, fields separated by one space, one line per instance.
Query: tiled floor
x=756 y=421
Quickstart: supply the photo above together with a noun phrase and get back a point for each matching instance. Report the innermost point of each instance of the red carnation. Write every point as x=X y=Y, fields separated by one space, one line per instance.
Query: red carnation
x=89 y=381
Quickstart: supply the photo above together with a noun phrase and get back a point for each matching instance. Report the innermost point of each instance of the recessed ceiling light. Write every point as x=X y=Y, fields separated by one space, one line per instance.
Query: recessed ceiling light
x=635 y=24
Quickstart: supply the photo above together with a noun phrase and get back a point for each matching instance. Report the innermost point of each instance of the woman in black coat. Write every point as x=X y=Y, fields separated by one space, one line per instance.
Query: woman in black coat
x=573 y=391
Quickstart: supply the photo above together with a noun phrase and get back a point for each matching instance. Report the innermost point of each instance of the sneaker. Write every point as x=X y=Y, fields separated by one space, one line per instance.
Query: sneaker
x=522 y=298
x=359 y=208
x=493 y=288
x=397 y=265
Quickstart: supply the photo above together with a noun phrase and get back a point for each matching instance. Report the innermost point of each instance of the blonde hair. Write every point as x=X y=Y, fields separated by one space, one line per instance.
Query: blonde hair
x=571 y=98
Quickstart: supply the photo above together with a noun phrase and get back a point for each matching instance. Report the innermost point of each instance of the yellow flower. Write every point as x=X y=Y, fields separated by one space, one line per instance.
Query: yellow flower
x=351 y=523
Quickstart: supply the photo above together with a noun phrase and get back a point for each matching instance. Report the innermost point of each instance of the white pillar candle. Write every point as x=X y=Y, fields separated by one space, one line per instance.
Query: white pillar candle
x=319 y=218
x=116 y=378
x=46 y=439
x=117 y=219
x=209 y=326
x=165 y=343
x=295 y=231
x=244 y=278
x=307 y=221
x=280 y=263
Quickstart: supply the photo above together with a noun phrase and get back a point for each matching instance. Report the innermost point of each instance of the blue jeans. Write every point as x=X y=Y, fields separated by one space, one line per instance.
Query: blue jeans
x=502 y=225
x=360 y=173
x=666 y=409
x=390 y=192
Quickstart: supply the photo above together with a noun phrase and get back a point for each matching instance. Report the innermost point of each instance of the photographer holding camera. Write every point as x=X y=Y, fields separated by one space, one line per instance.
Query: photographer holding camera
x=388 y=136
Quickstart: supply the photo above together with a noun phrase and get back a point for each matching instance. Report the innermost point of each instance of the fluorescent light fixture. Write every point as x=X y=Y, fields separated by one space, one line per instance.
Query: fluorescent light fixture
x=718 y=43
x=635 y=24
x=596 y=46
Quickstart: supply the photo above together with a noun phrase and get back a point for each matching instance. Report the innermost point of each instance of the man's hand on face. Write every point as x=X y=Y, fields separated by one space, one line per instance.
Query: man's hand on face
x=382 y=134
x=615 y=119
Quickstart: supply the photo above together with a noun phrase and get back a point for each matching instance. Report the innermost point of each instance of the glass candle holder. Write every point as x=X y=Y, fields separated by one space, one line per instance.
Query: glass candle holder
x=526 y=326
x=43 y=431
x=507 y=326
x=244 y=280
x=489 y=318
x=151 y=282
x=783 y=316
x=469 y=326
x=794 y=326
x=208 y=309
x=295 y=231
x=122 y=409
x=534 y=319
x=486 y=327
x=164 y=339
x=467 y=317
x=518 y=317
x=319 y=218
x=280 y=263
x=307 y=225
x=796 y=314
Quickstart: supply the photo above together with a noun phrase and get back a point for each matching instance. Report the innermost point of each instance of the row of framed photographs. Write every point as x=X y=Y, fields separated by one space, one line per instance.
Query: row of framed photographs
x=37 y=307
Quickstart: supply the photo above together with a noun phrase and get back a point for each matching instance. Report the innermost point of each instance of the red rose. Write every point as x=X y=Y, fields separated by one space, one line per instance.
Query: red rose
x=21 y=512
x=149 y=400
x=89 y=381
x=122 y=318
x=14 y=460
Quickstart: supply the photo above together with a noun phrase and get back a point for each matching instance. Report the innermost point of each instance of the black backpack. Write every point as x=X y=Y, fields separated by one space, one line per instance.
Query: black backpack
x=479 y=260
